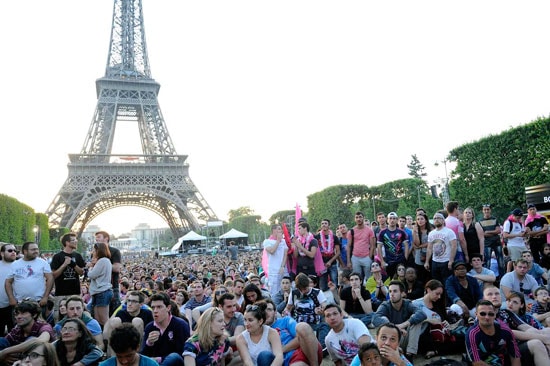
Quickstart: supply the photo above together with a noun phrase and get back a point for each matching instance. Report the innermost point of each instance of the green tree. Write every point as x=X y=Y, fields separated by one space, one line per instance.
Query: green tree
x=241 y=211
x=281 y=216
x=416 y=169
x=496 y=169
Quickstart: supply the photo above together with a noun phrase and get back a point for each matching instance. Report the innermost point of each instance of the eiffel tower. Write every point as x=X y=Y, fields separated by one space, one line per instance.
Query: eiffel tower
x=158 y=179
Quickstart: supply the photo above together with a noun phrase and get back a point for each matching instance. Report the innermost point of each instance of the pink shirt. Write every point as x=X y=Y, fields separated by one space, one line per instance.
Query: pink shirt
x=454 y=224
x=361 y=241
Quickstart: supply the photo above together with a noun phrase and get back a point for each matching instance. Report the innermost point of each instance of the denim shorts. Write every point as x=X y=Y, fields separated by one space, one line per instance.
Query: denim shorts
x=102 y=299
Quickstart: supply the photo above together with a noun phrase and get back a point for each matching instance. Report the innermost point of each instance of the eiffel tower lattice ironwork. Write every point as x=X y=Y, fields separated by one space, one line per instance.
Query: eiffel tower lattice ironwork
x=158 y=179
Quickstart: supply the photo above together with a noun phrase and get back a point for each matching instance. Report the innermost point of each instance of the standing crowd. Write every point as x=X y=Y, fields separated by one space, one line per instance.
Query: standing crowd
x=452 y=284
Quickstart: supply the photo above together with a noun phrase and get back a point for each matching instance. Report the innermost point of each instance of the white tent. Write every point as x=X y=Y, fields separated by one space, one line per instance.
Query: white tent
x=190 y=236
x=233 y=234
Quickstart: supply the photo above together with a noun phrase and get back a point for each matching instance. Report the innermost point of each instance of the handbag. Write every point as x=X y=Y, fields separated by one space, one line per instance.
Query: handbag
x=441 y=334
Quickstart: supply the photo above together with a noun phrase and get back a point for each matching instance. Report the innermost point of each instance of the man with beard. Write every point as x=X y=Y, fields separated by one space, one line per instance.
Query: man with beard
x=67 y=266
x=329 y=245
x=361 y=246
x=9 y=254
x=29 y=328
x=75 y=309
x=300 y=346
x=393 y=245
x=401 y=312
x=533 y=343
x=26 y=280
x=441 y=249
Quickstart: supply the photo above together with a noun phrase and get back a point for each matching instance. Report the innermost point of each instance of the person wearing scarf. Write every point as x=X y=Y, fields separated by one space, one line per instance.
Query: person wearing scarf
x=305 y=249
x=275 y=254
x=536 y=228
x=329 y=245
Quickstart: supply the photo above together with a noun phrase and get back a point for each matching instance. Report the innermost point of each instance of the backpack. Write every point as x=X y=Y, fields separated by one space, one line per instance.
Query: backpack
x=350 y=245
x=512 y=226
x=297 y=314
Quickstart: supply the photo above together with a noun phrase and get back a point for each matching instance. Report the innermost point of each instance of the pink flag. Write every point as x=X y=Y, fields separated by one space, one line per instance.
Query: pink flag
x=298 y=216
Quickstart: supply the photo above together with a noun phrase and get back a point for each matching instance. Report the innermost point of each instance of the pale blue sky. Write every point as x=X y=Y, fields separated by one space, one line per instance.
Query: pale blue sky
x=273 y=101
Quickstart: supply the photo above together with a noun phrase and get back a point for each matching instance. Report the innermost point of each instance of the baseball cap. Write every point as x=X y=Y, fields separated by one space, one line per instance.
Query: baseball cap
x=517 y=212
x=456 y=308
x=458 y=264
x=392 y=214
x=531 y=205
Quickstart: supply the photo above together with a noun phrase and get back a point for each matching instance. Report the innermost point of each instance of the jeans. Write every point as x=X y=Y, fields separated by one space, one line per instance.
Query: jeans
x=4 y=343
x=265 y=358
x=365 y=318
x=361 y=265
x=6 y=319
x=497 y=248
x=331 y=272
x=440 y=271
x=321 y=329
x=173 y=359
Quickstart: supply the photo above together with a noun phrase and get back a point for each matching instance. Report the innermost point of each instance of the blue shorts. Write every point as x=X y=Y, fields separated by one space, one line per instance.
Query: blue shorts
x=102 y=299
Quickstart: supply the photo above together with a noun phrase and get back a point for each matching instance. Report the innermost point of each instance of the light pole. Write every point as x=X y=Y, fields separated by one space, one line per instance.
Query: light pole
x=36 y=231
x=446 y=197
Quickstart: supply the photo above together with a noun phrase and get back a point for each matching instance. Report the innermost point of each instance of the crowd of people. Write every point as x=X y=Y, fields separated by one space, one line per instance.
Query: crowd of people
x=449 y=284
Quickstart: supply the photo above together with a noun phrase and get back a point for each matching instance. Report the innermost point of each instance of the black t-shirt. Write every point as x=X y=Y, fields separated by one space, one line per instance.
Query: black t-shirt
x=537 y=225
x=145 y=315
x=354 y=306
x=68 y=282
x=327 y=256
x=115 y=258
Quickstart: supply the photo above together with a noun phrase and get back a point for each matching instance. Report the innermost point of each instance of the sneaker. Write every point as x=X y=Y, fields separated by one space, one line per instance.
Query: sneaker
x=325 y=352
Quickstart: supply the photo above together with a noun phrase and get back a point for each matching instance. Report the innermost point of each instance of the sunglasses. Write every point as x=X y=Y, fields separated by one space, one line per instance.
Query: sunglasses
x=10 y=250
x=220 y=292
x=486 y=314
x=252 y=307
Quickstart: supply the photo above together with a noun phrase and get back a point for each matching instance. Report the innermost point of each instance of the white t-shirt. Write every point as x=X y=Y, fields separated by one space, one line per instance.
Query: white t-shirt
x=274 y=260
x=5 y=270
x=343 y=345
x=484 y=272
x=441 y=244
x=516 y=241
x=28 y=278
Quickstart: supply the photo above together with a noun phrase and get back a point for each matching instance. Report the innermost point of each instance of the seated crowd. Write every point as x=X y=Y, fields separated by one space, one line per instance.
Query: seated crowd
x=427 y=290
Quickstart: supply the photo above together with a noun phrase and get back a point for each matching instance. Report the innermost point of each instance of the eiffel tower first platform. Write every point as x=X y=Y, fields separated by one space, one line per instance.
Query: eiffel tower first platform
x=158 y=179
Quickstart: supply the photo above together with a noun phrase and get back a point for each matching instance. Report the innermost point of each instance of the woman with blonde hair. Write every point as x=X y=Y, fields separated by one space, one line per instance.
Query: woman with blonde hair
x=210 y=344
x=473 y=233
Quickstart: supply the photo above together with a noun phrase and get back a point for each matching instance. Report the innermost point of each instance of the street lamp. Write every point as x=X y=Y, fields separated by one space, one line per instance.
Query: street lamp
x=446 y=197
x=36 y=231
